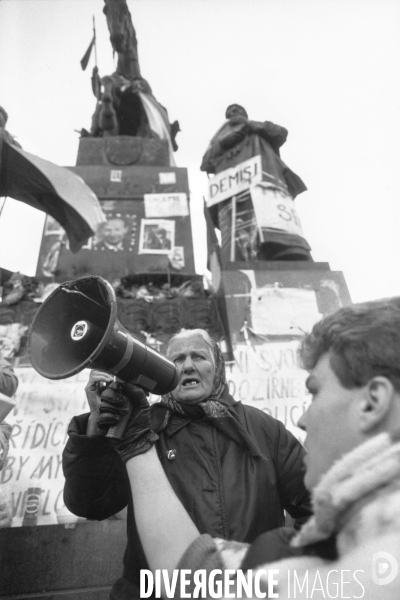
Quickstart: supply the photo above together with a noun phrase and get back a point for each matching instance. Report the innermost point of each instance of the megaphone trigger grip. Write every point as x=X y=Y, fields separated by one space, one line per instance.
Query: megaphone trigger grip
x=117 y=431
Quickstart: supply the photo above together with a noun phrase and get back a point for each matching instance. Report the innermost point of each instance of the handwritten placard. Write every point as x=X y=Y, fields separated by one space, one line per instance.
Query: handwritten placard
x=232 y=181
x=266 y=375
x=40 y=420
x=274 y=209
x=165 y=205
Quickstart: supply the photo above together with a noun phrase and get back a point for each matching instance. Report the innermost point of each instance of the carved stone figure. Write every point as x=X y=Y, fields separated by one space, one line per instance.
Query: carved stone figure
x=238 y=140
x=126 y=105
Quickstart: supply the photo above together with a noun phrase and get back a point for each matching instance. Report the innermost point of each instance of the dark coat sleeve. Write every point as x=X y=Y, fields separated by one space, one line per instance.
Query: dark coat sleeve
x=288 y=459
x=8 y=379
x=96 y=483
x=274 y=134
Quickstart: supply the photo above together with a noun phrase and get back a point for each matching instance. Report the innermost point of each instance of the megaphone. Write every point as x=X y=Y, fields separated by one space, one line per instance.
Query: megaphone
x=77 y=328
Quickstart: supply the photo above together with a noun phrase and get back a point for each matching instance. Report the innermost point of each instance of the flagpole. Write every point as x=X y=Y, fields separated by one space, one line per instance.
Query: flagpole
x=95 y=62
x=95 y=46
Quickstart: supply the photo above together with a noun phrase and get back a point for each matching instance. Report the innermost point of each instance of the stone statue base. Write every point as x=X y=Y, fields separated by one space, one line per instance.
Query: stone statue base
x=279 y=300
x=122 y=150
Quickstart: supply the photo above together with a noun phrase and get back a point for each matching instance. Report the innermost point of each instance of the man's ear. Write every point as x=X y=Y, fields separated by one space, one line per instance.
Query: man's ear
x=377 y=403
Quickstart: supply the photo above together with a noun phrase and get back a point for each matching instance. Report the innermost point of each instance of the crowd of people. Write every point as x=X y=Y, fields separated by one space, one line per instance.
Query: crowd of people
x=207 y=480
x=217 y=487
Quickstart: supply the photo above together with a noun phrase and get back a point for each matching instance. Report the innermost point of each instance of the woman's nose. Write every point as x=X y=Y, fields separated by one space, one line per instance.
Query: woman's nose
x=188 y=364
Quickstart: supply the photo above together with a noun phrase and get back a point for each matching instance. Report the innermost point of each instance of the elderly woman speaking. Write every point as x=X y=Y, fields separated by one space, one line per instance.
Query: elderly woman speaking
x=234 y=468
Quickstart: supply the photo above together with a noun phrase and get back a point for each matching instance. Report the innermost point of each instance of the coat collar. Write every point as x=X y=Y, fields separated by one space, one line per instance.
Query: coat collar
x=352 y=484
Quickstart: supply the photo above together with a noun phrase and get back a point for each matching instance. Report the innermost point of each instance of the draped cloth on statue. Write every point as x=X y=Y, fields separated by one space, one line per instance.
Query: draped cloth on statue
x=238 y=140
x=158 y=121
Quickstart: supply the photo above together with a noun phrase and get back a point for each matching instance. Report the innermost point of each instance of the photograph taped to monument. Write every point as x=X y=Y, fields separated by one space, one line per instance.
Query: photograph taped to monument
x=177 y=257
x=116 y=250
x=157 y=236
x=107 y=253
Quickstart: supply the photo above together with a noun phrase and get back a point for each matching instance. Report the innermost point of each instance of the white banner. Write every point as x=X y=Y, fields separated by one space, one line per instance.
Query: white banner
x=269 y=377
x=274 y=209
x=32 y=476
x=232 y=181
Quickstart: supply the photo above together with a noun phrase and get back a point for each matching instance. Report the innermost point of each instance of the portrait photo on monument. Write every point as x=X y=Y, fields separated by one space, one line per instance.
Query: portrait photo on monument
x=157 y=236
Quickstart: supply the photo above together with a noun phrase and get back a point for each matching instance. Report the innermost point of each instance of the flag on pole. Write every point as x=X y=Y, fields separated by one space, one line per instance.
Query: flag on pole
x=86 y=57
x=52 y=189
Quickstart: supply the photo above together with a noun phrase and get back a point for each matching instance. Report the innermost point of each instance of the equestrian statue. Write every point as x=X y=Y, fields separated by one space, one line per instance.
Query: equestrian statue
x=125 y=101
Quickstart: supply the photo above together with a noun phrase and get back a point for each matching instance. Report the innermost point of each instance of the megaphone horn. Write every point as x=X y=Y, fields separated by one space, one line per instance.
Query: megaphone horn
x=77 y=328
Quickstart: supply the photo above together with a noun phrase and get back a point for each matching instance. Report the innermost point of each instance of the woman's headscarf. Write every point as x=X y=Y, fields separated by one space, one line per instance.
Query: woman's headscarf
x=218 y=387
x=217 y=408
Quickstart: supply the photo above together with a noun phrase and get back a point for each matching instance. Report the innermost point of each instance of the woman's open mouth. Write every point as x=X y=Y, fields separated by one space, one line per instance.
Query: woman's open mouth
x=188 y=383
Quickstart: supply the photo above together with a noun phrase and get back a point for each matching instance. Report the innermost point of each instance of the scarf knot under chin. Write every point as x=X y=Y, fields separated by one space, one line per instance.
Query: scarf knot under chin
x=219 y=412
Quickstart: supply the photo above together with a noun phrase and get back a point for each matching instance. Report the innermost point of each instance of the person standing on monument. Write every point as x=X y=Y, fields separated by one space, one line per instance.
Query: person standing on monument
x=238 y=140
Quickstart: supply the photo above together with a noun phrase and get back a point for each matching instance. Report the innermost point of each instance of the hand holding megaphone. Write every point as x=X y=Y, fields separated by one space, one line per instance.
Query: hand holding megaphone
x=114 y=405
x=110 y=402
x=77 y=328
x=122 y=412
x=136 y=436
x=98 y=381
x=107 y=402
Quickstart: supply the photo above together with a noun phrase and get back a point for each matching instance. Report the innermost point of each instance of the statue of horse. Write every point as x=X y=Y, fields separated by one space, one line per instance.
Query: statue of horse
x=126 y=105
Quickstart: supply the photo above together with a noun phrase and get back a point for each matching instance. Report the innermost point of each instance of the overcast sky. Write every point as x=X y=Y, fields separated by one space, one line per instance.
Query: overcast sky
x=327 y=70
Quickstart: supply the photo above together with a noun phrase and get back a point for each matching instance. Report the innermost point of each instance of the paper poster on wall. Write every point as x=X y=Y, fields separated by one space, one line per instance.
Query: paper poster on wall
x=165 y=205
x=274 y=209
x=177 y=257
x=113 y=244
x=157 y=236
x=167 y=178
x=269 y=377
x=283 y=311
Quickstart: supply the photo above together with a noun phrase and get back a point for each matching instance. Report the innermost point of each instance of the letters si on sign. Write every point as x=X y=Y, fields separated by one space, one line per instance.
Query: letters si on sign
x=274 y=209
x=232 y=181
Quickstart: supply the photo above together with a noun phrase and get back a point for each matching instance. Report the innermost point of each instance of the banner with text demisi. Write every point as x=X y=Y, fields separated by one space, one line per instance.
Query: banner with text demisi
x=268 y=376
x=32 y=479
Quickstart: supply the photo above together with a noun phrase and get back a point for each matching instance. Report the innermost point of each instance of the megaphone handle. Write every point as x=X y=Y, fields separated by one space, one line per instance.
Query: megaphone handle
x=117 y=431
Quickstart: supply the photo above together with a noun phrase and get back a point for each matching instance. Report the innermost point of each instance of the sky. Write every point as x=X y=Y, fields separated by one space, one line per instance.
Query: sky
x=327 y=70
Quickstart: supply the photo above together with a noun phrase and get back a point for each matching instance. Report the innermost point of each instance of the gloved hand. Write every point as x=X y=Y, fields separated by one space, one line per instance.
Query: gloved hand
x=96 y=383
x=113 y=406
x=137 y=437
